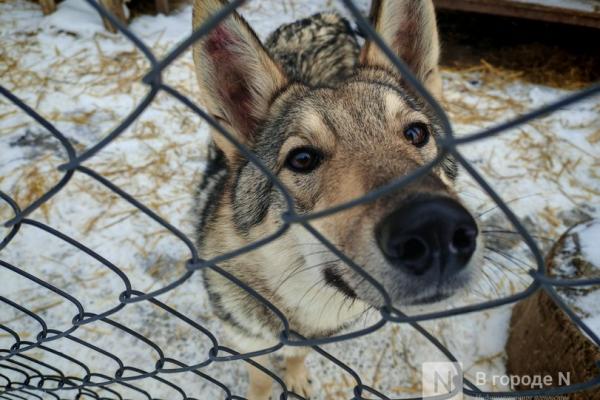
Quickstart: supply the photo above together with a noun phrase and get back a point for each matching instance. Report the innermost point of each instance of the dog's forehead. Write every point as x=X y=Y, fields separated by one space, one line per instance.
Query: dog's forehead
x=358 y=111
x=358 y=107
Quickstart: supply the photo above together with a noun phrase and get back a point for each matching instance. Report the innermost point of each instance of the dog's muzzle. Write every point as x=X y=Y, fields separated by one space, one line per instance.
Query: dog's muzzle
x=428 y=236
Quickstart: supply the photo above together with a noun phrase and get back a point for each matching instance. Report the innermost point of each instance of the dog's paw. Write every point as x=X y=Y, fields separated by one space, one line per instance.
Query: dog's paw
x=298 y=380
x=258 y=394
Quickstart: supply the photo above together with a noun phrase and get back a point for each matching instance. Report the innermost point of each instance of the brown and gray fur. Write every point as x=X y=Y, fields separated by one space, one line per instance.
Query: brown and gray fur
x=311 y=85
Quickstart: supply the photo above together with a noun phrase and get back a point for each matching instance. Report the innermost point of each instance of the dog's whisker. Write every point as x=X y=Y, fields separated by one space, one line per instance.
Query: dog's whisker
x=339 y=312
x=335 y=293
x=509 y=232
x=467 y=194
x=517 y=262
x=301 y=264
x=506 y=202
x=515 y=269
x=496 y=264
x=490 y=284
x=323 y=282
x=297 y=245
x=301 y=270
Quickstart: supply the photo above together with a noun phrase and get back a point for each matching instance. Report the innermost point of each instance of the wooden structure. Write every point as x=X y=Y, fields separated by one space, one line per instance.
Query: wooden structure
x=116 y=7
x=573 y=12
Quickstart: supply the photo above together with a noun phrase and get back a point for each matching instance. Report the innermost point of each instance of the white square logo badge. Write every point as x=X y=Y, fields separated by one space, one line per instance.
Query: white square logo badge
x=443 y=379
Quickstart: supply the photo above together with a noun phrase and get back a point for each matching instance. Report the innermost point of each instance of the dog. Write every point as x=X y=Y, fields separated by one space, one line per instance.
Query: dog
x=333 y=120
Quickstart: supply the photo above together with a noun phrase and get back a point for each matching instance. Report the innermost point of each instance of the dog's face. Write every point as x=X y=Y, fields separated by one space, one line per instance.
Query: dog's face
x=332 y=145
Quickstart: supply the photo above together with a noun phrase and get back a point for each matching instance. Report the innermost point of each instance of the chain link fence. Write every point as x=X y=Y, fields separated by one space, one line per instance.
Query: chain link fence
x=37 y=385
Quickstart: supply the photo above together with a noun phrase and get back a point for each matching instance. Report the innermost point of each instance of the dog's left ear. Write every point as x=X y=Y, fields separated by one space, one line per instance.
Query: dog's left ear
x=409 y=28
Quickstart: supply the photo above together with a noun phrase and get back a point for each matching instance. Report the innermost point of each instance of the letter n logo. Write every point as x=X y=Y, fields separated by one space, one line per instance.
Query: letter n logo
x=443 y=379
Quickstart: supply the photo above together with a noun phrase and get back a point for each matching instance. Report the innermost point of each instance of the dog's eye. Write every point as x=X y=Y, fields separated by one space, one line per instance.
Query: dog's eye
x=303 y=159
x=417 y=134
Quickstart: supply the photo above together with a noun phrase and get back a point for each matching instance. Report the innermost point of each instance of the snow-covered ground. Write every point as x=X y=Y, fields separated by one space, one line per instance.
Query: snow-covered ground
x=85 y=81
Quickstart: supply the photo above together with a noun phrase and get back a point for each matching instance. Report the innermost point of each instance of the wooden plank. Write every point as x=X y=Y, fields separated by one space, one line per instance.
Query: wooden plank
x=116 y=7
x=48 y=6
x=162 y=6
x=587 y=16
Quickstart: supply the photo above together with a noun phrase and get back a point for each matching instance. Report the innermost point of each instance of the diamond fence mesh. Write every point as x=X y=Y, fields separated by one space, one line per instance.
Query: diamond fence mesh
x=36 y=384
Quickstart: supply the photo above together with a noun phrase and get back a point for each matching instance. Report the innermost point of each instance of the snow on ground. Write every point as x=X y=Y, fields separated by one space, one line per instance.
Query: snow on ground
x=578 y=257
x=589 y=247
x=85 y=81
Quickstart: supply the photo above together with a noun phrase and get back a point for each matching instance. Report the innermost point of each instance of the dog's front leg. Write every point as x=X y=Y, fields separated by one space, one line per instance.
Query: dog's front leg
x=297 y=377
x=260 y=385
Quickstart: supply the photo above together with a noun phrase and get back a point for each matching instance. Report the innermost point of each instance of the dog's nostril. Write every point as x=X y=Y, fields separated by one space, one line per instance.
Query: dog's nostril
x=412 y=249
x=433 y=234
x=463 y=240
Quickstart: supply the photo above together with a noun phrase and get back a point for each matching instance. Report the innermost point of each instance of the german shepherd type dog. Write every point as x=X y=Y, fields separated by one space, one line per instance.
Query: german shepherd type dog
x=333 y=121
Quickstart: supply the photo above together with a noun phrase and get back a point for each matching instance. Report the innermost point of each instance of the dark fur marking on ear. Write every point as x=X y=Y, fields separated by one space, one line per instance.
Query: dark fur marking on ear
x=334 y=279
x=233 y=86
x=218 y=41
x=407 y=39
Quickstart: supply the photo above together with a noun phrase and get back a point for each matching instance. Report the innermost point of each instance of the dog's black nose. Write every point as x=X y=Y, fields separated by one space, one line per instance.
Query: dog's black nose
x=428 y=234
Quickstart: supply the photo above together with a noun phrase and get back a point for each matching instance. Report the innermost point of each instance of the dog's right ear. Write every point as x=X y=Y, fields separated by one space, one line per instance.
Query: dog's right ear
x=409 y=28
x=237 y=76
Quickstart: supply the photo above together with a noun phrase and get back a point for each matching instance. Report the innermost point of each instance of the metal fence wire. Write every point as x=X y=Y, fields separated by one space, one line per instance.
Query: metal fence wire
x=35 y=384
